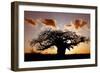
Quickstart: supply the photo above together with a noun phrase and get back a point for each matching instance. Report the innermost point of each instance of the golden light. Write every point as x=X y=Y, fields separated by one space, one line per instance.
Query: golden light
x=82 y=48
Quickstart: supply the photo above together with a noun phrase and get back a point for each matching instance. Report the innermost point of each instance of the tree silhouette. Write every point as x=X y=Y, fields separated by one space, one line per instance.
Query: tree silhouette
x=62 y=40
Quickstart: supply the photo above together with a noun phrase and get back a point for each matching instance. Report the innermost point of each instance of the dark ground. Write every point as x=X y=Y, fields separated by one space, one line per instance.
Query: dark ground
x=43 y=57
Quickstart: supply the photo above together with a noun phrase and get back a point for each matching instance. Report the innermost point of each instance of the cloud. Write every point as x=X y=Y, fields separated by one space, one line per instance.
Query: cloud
x=30 y=21
x=80 y=26
x=49 y=22
x=78 y=23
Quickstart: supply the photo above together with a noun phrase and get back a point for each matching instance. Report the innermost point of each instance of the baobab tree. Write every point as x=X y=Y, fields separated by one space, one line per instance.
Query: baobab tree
x=62 y=40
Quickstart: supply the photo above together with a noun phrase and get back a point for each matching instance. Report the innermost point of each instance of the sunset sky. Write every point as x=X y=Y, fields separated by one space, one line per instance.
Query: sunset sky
x=35 y=22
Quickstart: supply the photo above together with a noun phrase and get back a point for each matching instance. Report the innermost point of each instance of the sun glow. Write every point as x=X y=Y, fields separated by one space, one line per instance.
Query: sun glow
x=82 y=48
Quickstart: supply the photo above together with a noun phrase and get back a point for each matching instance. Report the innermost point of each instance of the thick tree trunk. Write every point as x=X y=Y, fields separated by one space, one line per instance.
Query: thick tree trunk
x=61 y=51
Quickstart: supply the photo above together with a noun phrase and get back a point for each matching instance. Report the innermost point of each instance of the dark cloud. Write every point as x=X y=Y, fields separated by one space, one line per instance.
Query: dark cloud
x=49 y=22
x=79 y=23
x=30 y=21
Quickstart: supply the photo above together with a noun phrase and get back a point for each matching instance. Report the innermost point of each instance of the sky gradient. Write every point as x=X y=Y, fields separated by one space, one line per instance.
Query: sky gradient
x=62 y=21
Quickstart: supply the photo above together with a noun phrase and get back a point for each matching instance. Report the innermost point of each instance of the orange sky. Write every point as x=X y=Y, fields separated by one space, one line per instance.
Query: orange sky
x=82 y=48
